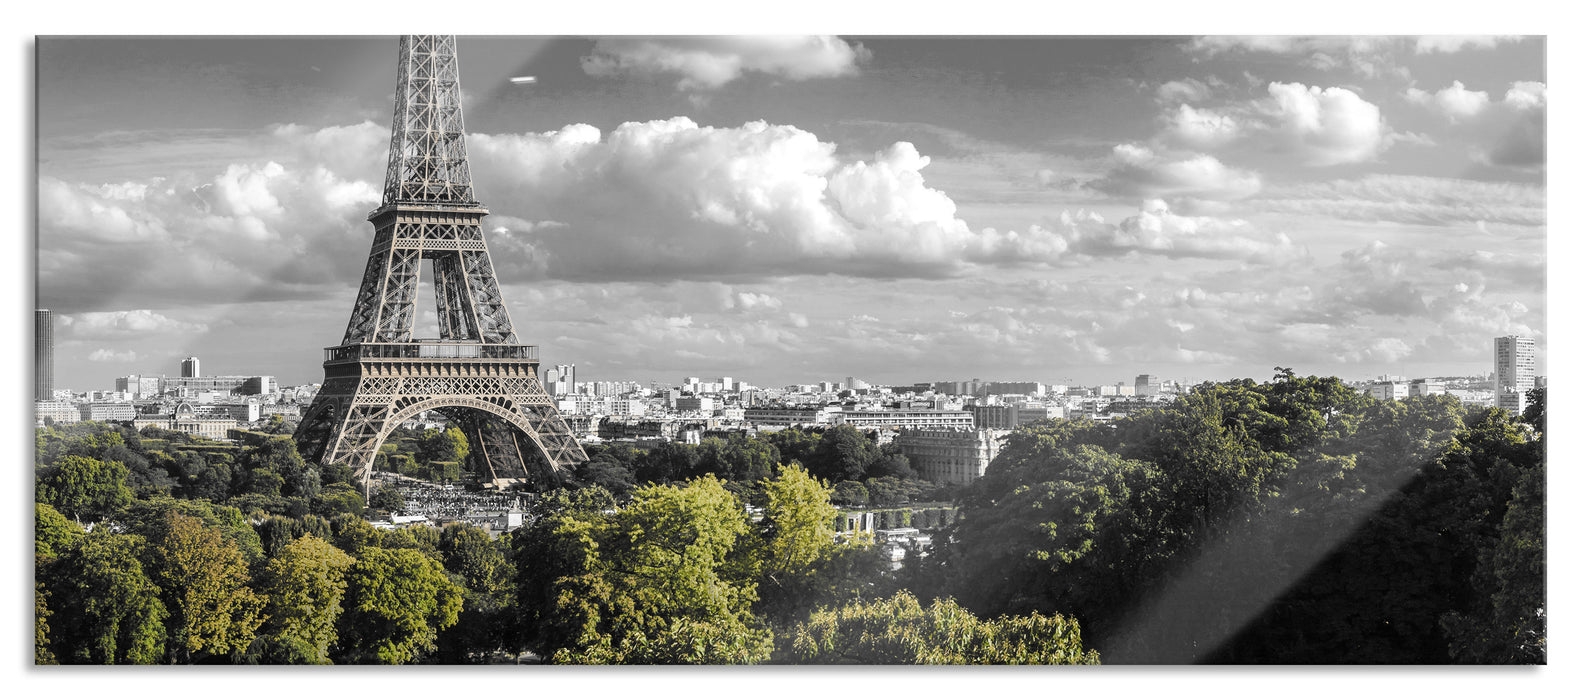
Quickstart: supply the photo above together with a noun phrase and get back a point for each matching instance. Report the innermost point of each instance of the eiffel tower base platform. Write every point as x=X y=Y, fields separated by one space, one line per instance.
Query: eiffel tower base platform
x=515 y=435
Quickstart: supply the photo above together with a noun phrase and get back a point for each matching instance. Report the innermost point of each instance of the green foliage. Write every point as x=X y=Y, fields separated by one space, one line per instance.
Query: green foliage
x=1290 y=522
x=658 y=581
x=386 y=497
x=850 y=493
x=448 y=445
x=84 y=487
x=149 y=518
x=303 y=587
x=899 y=630
x=53 y=534
x=106 y=608
x=397 y=601
x=204 y=578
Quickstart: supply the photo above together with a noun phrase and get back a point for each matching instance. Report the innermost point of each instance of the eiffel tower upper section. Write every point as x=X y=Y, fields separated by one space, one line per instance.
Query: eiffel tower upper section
x=429 y=212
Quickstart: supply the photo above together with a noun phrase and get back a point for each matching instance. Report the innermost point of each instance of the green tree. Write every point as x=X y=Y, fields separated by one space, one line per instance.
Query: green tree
x=303 y=587
x=448 y=445
x=204 y=580
x=799 y=564
x=386 y=497
x=397 y=601
x=843 y=454
x=84 y=487
x=106 y=608
x=899 y=630
x=658 y=581
x=53 y=534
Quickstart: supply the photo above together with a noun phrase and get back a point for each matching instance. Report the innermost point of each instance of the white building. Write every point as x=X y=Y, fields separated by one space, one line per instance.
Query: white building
x=1515 y=369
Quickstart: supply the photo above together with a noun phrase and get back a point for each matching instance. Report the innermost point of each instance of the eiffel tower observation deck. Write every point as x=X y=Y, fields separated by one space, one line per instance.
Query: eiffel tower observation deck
x=476 y=373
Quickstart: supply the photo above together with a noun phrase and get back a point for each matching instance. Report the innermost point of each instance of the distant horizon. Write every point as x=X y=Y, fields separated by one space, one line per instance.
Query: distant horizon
x=1054 y=209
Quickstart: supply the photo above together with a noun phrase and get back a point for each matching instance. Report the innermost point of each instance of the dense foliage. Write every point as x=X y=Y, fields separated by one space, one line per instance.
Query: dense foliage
x=1292 y=521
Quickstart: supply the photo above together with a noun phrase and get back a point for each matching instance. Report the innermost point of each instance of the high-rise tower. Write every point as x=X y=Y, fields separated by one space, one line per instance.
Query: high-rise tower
x=43 y=355
x=475 y=373
x=189 y=367
x=1514 y=370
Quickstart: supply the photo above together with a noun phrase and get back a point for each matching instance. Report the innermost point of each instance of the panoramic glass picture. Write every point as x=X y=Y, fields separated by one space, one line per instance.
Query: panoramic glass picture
x=736 y=350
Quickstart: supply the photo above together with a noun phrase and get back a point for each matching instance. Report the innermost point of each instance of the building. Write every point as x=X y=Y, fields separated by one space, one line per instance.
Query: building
x=1147 y=385
x=1009 y=417
x=187 y=420
x=950 y=456
x=695 y=403
x=1423 y=387
x=57 y=411
x=189 y=368
x=1515 y=371
x=900 y=419
x=43 y=355
x=561 y=380
x=103 y=411
x=1388 y=391
x=140 y=387
x=787 y=417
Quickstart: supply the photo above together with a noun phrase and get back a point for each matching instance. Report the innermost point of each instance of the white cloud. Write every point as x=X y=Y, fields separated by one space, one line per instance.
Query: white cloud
x=1156 y=230
x=1527 y=94
x=1326 y=126
x=1201 y=129
x=1137 y=171
x=707 y=63
x=100 y=325
x=1455 y=102
x=1185 y=90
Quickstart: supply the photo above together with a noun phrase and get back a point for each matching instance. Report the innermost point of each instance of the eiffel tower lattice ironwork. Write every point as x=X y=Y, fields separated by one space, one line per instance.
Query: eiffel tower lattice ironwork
x=476 y=373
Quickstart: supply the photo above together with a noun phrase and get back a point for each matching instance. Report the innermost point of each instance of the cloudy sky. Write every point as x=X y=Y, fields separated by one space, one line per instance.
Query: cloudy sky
x=796 y=209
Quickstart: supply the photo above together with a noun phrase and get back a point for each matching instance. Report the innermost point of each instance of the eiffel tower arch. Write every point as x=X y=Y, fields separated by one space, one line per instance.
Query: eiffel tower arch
x=476 y=373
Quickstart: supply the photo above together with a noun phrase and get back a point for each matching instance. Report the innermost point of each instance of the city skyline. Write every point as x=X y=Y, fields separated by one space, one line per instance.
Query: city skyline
x=896 y=209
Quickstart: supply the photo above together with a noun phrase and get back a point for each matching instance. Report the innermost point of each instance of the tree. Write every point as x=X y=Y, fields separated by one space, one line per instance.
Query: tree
x=386 y=497
x=843 y=454
x=448 y=445
x=53 y=534
x=106 y=608
x=658 y=581
x=397 y=601
x=84 y=487
x=303 y=587
x=899 y=630
x=850 y=493
x=204 y=581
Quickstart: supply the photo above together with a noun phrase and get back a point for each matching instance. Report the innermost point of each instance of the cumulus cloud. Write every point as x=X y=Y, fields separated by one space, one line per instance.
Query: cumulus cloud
x=271 y=229
x=1526 y=94
x=103 y=325
x=1156 y=230
x=707 y=63
x=1137 y=171
x=1455 y=102
x=1200 y=129
x=672 y=199
x=1325 y=126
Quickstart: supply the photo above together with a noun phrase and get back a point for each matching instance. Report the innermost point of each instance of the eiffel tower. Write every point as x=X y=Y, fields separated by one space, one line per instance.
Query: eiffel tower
x=475 y=373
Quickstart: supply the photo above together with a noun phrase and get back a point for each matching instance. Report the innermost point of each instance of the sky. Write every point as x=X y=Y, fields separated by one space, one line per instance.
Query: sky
x=794 y=209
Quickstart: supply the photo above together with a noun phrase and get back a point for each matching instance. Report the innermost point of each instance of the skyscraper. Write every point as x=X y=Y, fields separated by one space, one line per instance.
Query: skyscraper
x=1513 y=375
x=189 y=367
x=43 y=355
